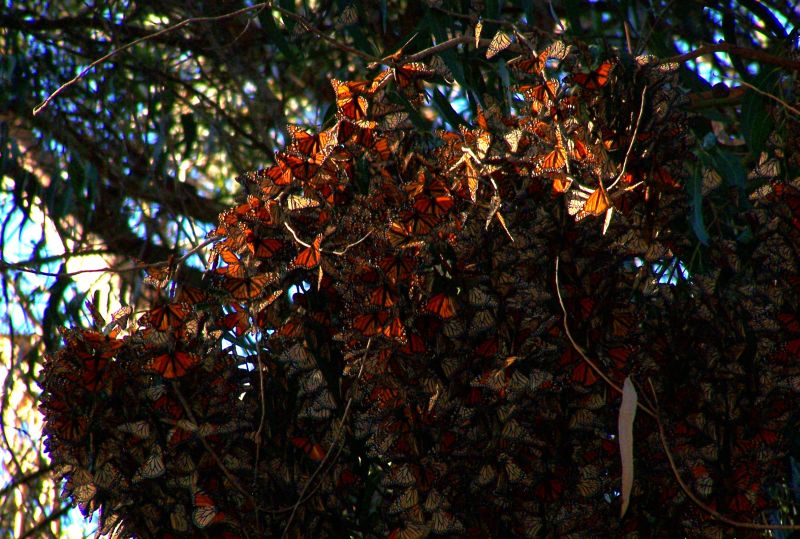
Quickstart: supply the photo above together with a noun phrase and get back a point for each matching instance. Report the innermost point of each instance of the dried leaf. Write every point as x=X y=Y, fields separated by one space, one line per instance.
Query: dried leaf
x=627 y=413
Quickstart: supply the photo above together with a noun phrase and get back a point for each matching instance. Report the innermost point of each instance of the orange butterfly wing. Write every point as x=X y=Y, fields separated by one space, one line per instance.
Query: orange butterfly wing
x=173 y=365
x=309 y=257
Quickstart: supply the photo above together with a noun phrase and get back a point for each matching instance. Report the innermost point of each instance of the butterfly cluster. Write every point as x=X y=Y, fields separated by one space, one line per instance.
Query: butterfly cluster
x=382 y=315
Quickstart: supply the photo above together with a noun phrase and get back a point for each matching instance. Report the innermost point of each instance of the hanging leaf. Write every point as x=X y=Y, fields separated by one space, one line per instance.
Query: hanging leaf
x=627 y=413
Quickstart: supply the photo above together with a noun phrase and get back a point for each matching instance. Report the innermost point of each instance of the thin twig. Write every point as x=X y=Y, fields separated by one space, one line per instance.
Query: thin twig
x=17 y=267
x=444 y=45
x=188 y=411
x=708 y=48
x=692 y=496
x=127 y=46
x=342 y=252
x=771 y=96
x=630 y=146
x=298 y=240
x=583 y=354
x=335 y=441
x=308 y=26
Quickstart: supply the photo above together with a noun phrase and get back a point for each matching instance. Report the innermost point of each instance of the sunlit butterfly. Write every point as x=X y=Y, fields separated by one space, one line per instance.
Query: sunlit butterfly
x=308 y=144
x=442 y=305
x=173 y=364
x=310 y=256
x=401 y=236
x=301 y=167
x=165 y=316
x=595 y=79
x=263 y=247
x=234 y=267
x=248 y=288
x=350 y=104
x=407 y=74
x=499 y=43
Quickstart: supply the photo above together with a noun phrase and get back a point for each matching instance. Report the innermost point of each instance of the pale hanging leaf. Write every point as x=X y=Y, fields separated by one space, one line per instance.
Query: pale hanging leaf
x=478 y=28
x=627 y=412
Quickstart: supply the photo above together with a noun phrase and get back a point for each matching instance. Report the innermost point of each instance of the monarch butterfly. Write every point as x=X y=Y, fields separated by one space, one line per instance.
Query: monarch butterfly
x=173 y=365
x=163 y=317
x=348 y=16
x=400 y=475
x=561 y=184
x=140 y=429
x=261 y=247
x=411 y=531
x=578 y=150
x=530 y=64
x=482 y=321
x=383 y=296
x=499 y=43
x=551 y=162
x=441 y=305
x=309 y=257
x=308 y=144
x=487 y=348
x=191 y=295
x=234 y=267
x=178 y=519
x=543 y=94
x=153 y=467
x=408 y=499
x=595 y=205
x=279 y=175
x=414 y=346
x=350 y=104
x=299 y=357
x=314 y=451
x=301 y=168
x=381 y=146
x=549 y=490
x=418 y=223
x=397 y=268
x=514 y=472
x=248 y=288
x=371 y=324
x=238 y=320
x=205 y=511
x=433 y=205
x=311 y=383
x=298 y=202
x=407 y=74
x=584 y=374
x=401 y=236
x=394 y=120
x=595 y=79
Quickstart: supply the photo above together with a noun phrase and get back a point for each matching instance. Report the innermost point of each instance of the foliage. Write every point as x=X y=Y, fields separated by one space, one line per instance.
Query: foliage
x=396 y=358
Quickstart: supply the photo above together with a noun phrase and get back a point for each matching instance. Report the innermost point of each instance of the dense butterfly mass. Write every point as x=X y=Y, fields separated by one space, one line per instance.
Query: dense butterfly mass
x=380 y=350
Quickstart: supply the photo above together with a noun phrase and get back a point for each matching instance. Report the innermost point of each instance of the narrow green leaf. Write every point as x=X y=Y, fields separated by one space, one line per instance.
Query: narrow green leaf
x=189 y=133
x=694 y=184
x=444 y=107
x=756 y=123
x=728 y=166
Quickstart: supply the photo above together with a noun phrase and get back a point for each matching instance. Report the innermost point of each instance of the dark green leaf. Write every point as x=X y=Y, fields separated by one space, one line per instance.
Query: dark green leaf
x=756 y=120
